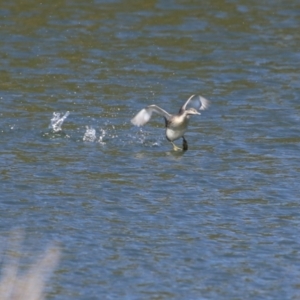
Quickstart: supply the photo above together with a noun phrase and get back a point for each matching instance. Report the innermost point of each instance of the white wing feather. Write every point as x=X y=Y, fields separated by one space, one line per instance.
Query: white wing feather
x=145 y=114
x=198 y=102
x=204 y=103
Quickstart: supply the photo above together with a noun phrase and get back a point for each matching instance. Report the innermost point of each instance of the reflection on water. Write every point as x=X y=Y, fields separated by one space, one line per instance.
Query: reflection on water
x=135 y=219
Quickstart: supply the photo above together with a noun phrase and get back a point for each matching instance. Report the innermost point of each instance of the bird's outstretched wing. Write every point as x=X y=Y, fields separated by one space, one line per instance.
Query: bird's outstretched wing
x=196 y=101
x=145 y=114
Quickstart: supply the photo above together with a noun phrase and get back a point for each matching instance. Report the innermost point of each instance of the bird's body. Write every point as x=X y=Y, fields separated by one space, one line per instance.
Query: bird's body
x=176 y=125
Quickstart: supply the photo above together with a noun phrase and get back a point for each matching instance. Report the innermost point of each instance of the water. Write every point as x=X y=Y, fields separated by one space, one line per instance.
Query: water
x=134 y=219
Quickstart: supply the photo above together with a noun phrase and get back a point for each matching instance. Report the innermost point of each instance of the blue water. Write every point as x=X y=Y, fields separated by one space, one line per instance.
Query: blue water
x=133 y=218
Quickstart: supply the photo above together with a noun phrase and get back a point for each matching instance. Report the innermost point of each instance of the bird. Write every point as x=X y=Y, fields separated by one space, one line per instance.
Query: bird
x=176 y=124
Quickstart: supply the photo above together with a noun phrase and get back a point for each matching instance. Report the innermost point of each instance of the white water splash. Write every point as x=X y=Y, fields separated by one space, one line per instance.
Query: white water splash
x=57 y=121
x=89 y=135
x=103 y=133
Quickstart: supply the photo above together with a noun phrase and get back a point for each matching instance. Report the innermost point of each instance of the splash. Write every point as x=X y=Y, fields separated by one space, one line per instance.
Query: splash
x=57 y=121
x=89 y=135
x=103 y=133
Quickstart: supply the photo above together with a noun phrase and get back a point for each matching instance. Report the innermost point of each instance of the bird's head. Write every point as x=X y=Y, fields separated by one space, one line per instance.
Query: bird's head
x=192 y=111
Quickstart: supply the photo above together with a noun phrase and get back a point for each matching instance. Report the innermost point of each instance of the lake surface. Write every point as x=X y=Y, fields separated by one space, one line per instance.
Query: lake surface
x=134 y=219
